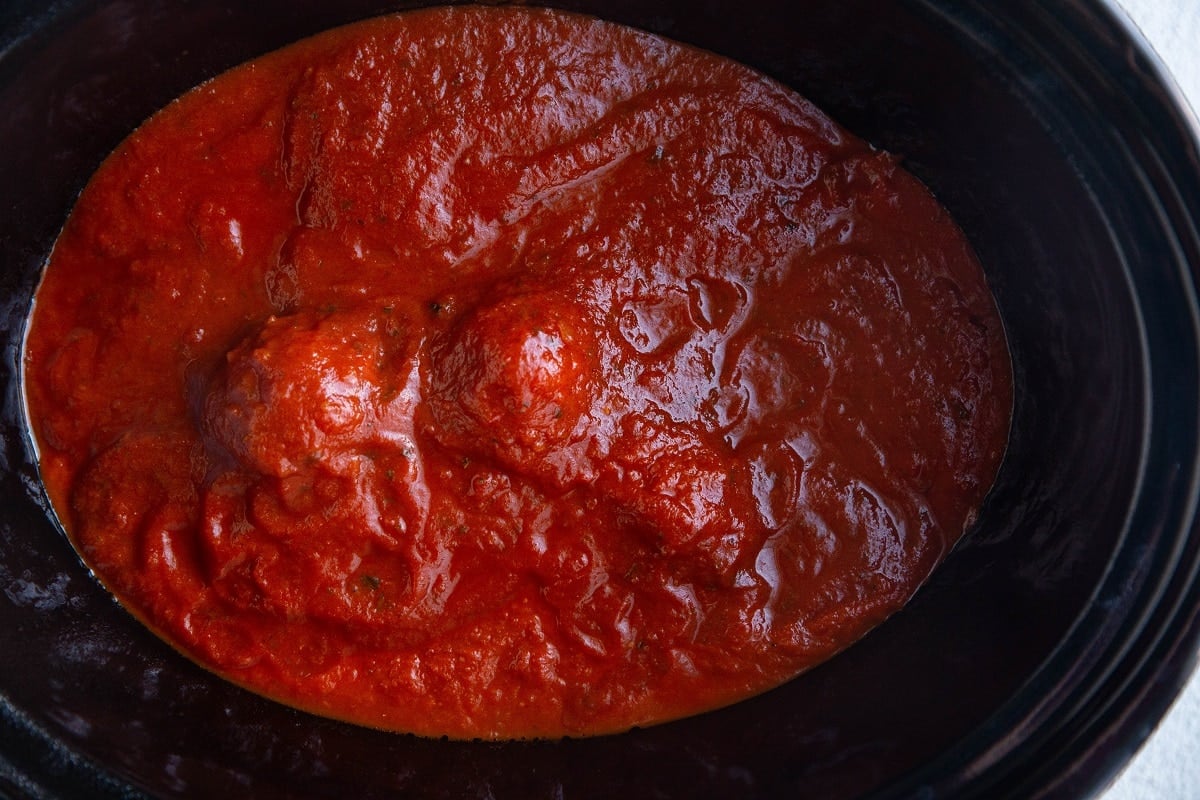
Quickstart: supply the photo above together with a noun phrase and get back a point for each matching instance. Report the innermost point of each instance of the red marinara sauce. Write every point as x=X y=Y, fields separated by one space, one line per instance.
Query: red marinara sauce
x=507 y=373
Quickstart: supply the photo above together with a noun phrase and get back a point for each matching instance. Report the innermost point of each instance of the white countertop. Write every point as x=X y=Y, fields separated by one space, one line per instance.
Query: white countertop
x=1168 y=766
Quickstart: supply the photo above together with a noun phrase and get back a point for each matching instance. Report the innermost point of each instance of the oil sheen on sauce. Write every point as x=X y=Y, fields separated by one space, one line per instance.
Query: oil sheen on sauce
x=507 y=373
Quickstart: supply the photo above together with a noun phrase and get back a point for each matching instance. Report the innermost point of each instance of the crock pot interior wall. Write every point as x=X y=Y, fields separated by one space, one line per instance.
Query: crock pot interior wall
x=90 y=701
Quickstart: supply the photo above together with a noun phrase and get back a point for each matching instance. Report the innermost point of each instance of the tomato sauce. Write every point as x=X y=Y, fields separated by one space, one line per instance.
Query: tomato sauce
x=507 y=373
